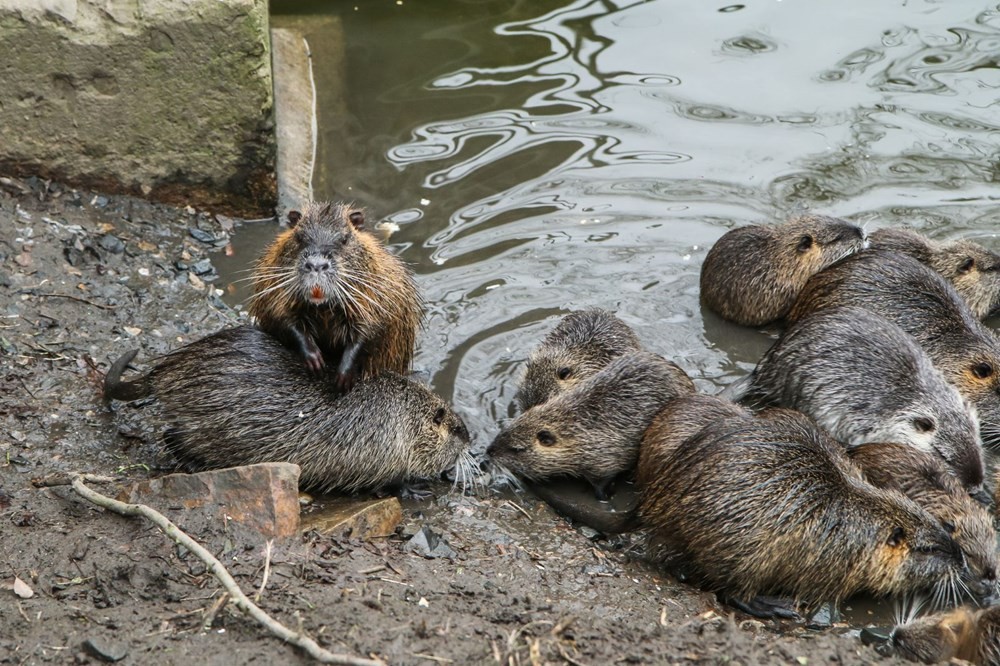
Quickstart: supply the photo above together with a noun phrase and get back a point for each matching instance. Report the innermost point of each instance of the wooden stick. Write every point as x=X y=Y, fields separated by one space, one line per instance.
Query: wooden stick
x=222 y=575
x=67 y=479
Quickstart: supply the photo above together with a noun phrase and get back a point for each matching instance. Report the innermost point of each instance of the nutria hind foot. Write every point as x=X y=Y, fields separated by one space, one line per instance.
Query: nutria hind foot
x=767 y=608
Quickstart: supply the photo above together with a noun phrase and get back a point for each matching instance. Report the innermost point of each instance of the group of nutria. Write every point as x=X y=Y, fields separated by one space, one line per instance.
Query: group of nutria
x=850 y=460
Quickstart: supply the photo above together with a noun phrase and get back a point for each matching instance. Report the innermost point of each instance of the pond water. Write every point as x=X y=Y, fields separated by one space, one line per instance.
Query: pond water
x=543 y=157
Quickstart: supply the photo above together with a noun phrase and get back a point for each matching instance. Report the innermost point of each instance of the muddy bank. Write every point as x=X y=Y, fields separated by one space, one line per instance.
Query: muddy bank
x=88 y=277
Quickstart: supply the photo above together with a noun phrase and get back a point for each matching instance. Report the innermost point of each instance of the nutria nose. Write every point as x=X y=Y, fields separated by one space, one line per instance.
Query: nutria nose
x=317 y=266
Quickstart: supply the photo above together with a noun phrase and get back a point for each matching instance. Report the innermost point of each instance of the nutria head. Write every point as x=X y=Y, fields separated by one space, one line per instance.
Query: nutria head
x=937 y=638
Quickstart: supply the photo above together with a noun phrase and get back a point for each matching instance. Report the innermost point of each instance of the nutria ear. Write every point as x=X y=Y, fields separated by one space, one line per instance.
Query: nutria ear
x=898 y=535
x=293 y=218
x=439 y=415
x=967 y=265
x=805 y=243
x=357 y=218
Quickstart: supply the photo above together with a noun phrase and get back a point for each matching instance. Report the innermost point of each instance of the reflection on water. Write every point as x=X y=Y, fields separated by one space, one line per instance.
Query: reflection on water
x=542 y=157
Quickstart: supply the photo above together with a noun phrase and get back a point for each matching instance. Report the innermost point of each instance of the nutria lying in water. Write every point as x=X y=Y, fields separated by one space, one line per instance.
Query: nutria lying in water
x=329 y=289
x=753 y=274
x=240 y=397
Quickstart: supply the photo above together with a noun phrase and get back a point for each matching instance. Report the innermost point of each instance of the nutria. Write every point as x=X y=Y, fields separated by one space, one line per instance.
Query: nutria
x=921 y=477
x=752 y=274
x=593 y=429
x=962 y=633
x=927 y=307
x=973 y=270
x=770 y=504
x=240 y=397
x=581 y=345
x=331 y=291
x=863 y=379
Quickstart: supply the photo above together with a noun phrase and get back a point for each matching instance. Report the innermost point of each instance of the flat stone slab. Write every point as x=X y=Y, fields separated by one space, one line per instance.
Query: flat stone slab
x=171 y=99
x=253 y=501
x=295 y=118
x=365 y=519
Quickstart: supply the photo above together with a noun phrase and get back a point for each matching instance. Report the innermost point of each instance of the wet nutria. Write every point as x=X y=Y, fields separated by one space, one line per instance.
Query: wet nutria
x=927 y=307
x=921 y=477
x=331 y=291
x=962 y=633
x=580 y=346
x=239 y=397
x=770 y=504
x=863 y=379
x=971 y=268
x=592 y=430
x=752 y=274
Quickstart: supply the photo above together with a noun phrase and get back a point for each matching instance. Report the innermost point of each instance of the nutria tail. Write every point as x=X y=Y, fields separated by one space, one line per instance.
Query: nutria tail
x=116 y=389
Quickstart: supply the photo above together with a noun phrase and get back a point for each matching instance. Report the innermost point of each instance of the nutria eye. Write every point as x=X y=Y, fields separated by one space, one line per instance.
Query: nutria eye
x=923 y=424
x=982 y=370
x=546 y=438
x=805 y=243
x=897 y=537
x=948 y=526
x=565 y=373
x=293 y=218
x=967 y=265
x=439 y=416
x=343 y=241
x=357 y=218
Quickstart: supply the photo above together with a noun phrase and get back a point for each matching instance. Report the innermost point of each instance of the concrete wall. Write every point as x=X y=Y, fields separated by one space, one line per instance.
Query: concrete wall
x=166 y=98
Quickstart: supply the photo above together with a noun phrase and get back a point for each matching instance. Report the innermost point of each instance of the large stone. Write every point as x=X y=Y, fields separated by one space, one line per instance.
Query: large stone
x=295 y=117
x=168 y=98
x=245 y=503
x=365 y=519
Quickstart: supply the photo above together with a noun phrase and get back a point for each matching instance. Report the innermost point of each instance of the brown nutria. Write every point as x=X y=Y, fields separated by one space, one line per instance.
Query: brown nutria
x=580 y=346
x=863 y=379
x=961 y=633
x=752 y=274
x=927 y=307
x=331 y=291
x=921 y=477
x=971 y=268
x=592 y=430
x=240 y=397
x=770 y=504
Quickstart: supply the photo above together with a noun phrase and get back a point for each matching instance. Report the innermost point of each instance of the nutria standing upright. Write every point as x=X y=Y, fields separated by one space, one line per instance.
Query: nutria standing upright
x=580 y=346
x=927 y=307
x=591 y=431
x=240 y=397
x=753 y=274
x=329 y=290
x=863 y=379
x=770 y=504
x=921 y=477
x=971 y=268
x=962 y=633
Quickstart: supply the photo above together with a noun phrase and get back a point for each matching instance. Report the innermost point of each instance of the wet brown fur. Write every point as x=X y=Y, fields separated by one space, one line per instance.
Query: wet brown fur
x=753 y=274
x=973 y=270
x=962 y=633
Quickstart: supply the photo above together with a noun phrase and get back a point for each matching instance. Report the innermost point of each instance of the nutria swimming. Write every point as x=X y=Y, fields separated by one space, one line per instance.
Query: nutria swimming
x=927 y=307
x=863 y=379
x=240 y=397
x=921 y=477
x=592 y=430
x=971 y=268
x=331 y=291
x=752 y=274
x=962 y=633
x=770 y=504
x=580 y=346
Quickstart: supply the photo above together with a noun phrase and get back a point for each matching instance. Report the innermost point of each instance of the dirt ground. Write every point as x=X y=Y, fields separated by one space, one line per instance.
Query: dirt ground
x=87 y=277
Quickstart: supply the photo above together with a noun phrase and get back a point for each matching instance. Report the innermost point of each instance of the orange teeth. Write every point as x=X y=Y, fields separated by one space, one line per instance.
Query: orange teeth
x=317 y=293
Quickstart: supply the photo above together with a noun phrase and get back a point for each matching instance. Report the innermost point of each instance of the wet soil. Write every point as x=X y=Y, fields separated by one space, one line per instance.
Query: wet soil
x=87 y=277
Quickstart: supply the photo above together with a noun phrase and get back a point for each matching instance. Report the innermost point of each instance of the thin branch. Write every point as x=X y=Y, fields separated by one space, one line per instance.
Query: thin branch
x=222 y=575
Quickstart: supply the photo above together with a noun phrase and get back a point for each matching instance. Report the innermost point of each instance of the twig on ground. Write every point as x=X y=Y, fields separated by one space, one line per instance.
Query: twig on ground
x=76 y=298
x=62 y=479
x=267 y=569
x=213 y=610
x=222 y=575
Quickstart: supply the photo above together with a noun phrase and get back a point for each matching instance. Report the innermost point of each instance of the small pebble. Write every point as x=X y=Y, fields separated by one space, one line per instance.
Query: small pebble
x=112 y=244
x=104 y=650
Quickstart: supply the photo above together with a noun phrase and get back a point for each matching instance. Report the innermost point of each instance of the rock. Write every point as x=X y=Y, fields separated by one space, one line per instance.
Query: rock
x=358 y=518
x=112 y=244
x=428 y=543
x=173 y=101
x=250 y=503
x=203 y=267
x=104 y=650
x=293 y=110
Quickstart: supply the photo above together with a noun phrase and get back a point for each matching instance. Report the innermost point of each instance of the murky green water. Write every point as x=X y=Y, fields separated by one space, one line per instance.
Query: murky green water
x=550 y=156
